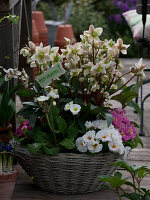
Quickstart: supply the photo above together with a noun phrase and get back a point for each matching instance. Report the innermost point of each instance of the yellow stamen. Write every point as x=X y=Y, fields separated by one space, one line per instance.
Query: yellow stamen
x=75 y=109
x=114 y=146
x=94 y=146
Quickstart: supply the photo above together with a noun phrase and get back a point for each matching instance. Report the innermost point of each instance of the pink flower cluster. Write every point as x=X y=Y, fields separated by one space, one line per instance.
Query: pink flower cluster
x=123 y=124
x=23 y=128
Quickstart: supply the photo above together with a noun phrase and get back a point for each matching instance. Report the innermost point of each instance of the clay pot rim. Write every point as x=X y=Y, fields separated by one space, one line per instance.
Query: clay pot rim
x=7 y=128
x=8 y=177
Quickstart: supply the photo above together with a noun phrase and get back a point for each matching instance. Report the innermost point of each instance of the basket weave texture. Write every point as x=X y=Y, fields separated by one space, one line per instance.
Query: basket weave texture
x=67 y=173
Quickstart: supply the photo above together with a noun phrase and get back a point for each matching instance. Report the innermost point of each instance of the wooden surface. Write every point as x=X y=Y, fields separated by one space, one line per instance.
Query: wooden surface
x=26 y=190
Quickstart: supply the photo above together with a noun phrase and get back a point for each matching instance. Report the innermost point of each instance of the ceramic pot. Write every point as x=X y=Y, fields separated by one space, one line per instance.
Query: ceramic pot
x=41 y=27
x=64 y=31
x=5 y=133
x=35 y=33
x=7 y=184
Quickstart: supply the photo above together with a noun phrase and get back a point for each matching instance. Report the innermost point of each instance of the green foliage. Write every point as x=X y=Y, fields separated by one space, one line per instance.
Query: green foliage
x=7 y=105
x=11 y=18
x=116 y=182
x=83 y=14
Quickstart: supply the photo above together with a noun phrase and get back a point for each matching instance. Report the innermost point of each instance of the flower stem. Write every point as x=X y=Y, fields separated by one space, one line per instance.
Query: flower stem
x=51 y=128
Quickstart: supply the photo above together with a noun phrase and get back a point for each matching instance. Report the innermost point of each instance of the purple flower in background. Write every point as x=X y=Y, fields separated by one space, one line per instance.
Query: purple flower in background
x=123 y=6
x=117 y=18
x=23 y=128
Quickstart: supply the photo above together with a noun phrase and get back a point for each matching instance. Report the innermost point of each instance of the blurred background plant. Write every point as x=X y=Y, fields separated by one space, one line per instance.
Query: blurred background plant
x=107 y=14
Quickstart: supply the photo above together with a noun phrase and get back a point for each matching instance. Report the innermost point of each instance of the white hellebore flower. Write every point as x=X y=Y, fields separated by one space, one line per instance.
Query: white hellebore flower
x=122 y=47
x=80 y=144
x=41 y=54
x=67 y=106
x=93 y=33
x=94 y=146
x=42 y=98
x=25 y=78
x=53 y=93
x=89 y=136
x=24 y=51
x=11 y=73
x=75 y=109
x=104 y=135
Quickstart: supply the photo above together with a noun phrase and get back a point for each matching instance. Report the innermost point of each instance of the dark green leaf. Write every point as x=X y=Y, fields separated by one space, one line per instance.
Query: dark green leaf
x=136 y=107
x=62 y=125
x=34 y=148
x=72 y=132
x=68 y=143
x=2 y=80
x=52 y=151
x=25 y=93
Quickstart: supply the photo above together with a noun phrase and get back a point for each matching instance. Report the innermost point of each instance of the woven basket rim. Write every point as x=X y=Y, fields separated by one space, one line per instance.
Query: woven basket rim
x=70 y=155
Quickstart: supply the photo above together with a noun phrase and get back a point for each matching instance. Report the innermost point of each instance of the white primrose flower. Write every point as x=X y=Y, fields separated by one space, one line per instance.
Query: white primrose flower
x=42 y=98
x=115 y=135
x=88 y=124
x=89 y=136
x=80 y=144
x=93 y=33
x=94 y=146
x=41 y=54
x=122 y=47
x=104 y=135
x=113 y=146
x=75 y=109
x=53 y=93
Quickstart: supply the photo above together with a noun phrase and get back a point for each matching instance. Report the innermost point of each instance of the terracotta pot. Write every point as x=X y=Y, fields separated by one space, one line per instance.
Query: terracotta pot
x=7 y=184
x=64 y=31
x=35 y=33
x=41 y=27
x=5 y=133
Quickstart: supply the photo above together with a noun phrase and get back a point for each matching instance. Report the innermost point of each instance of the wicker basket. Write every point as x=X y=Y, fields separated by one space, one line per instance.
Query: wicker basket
x=66 y=173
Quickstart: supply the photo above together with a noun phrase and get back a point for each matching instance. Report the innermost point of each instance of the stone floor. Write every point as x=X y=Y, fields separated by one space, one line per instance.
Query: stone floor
x=26 y=190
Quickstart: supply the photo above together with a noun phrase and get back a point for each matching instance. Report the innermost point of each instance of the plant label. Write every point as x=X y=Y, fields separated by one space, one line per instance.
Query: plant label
x=51 y=74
